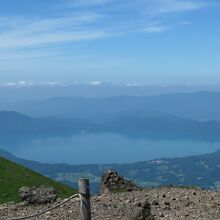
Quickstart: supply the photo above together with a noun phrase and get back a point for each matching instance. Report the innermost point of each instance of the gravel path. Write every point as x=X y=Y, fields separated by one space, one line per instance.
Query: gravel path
x=166 y=203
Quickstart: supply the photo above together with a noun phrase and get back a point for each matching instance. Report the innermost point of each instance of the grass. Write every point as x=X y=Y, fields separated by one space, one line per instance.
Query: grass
x=13 y=177
x=183 y=186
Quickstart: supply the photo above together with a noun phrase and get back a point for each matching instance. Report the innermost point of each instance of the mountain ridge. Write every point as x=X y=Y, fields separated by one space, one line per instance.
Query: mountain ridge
x=16 y=125
x=201 y=170
x=198 y=105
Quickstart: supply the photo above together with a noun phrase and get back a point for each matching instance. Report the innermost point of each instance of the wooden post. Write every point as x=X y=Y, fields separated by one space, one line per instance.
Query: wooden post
x=85 y=209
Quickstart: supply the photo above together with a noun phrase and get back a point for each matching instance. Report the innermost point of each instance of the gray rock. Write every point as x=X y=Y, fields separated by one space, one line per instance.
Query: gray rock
x=111 y=181
x=141 y=211
x=38 y=195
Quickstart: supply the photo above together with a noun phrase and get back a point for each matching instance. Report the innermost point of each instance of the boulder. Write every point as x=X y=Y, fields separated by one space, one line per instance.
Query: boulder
x=111 y=181
x=38 y=195
x=141 y=211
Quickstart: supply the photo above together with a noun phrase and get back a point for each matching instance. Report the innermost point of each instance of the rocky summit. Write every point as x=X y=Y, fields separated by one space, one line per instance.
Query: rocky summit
x=170 y=203
x=111 y=181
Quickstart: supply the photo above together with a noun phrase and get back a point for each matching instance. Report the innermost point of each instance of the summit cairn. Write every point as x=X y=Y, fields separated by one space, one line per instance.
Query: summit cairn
x=111 y=181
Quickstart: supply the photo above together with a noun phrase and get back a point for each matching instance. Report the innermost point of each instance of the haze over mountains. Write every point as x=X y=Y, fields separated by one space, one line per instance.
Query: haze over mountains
x=15 y=125
x=13 y=91
x=139 y=127
x=198 y=106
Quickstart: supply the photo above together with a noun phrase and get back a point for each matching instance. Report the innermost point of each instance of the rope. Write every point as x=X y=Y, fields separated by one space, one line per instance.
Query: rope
x=48 y=210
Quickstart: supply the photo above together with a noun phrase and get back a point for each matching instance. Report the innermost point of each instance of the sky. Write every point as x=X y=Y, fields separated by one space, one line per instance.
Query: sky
x=131 y=41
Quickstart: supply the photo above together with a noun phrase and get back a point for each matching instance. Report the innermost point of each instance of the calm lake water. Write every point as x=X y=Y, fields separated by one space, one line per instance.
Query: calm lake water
x=106 y=148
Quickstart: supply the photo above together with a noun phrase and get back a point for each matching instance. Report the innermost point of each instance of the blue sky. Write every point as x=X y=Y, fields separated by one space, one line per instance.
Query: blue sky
x=110 y=40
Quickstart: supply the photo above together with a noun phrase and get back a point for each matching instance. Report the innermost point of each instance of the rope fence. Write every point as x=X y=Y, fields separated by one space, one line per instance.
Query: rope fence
x=84 y=195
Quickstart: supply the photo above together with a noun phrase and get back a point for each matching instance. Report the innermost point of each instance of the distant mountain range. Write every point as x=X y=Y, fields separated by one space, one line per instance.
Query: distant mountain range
x=194 y=116
x=191 y=116
x=17 y=126
x=14 y=123
x=198 y=106
x=202 y=171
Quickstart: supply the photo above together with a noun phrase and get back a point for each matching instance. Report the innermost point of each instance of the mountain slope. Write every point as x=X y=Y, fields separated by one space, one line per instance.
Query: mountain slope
x=13 y=177
x=201 y=170
x=14 y=123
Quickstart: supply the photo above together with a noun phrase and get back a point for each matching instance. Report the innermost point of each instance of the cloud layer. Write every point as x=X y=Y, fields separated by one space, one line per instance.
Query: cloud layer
x=88 y=20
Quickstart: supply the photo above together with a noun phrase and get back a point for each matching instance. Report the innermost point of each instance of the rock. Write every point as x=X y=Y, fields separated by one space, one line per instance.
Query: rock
x=155 y=202
x=204 y=205
x=141 y=211
x=167 y=203
x=111 y=181
x=38 y=195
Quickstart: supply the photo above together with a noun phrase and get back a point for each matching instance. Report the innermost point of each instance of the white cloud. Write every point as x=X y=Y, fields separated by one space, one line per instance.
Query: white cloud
x=95 y=83
x=22 y=41
x=170 y=6
x=155 y=29
x=21 y=83
x=21 y=33
x=152 y=6
x=25 y=54
x=107 y=18
x=26 y=83
x=133 y=84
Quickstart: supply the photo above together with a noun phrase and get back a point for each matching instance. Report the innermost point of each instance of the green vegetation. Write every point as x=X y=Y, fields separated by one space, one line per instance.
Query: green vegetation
x=184 y=187
x=13 y=177
x=119 y=190
x=195 y=171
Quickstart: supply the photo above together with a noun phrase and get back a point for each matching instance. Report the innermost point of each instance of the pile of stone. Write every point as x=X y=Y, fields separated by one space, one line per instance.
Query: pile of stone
x=111 y=181
x=38 y=195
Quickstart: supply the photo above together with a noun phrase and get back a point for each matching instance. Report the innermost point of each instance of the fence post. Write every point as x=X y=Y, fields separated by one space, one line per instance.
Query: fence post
x=85 y=209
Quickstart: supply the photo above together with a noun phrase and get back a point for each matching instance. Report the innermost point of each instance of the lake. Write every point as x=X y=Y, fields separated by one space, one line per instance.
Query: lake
x=105 y=148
